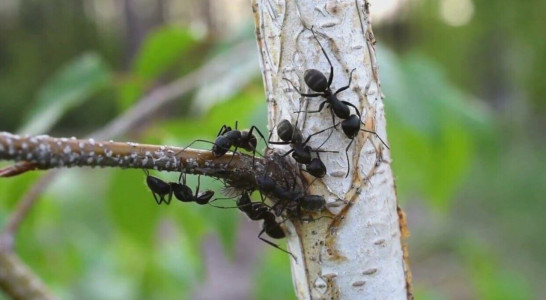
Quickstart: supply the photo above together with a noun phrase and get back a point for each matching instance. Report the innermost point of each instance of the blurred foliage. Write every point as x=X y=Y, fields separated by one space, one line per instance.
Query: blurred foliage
x=469 y=169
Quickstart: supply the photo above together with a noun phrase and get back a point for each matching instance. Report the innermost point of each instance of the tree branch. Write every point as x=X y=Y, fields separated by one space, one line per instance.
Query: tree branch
x=18 y=281
x=360 y=254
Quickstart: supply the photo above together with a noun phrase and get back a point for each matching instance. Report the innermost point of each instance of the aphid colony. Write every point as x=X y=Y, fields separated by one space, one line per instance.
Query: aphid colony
x=291 y=200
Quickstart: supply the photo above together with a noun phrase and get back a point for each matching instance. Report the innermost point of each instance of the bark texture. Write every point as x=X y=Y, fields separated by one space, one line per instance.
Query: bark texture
x=358 y=252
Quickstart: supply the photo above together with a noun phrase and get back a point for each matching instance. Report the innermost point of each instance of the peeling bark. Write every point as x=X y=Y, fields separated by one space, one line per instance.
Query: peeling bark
x=359 y=254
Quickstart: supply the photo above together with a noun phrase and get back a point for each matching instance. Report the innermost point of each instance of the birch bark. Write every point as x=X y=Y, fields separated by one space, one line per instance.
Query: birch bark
x=359 y=252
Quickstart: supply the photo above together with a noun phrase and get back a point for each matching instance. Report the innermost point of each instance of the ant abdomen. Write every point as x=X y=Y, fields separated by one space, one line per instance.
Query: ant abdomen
x=285 y=130
x=157 y=185
x=315 y=80
x=312 y=203
x=316 y=168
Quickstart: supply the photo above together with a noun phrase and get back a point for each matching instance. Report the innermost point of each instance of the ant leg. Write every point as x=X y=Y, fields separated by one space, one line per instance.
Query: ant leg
x=232 y=155
x=279 y=143
x=274 y=245
x=347 y=155
x=377 y=135
x=284 y=155
x=259 y=132
x=223 y=130
x=331 y=78
x=299 y=92
x=321 y=106
x=198 y=185
x=158 y=201
x=168 y=201
x=183 y=149
x=318 y=132
x=348 y=85
x=356 y=109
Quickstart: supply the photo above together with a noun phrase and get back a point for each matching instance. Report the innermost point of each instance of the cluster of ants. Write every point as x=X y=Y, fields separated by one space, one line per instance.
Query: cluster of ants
x=291 y=199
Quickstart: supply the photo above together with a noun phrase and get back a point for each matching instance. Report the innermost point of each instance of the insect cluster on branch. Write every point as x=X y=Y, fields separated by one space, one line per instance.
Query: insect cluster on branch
x=290 y=199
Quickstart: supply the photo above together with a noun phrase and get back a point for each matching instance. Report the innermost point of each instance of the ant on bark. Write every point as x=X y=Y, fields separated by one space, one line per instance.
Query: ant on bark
x=317 y=82
x=301 y=152
x=257 y=211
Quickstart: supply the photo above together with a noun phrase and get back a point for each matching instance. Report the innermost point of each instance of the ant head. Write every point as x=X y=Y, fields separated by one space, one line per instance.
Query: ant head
x=315 y=80
x=157 y=185
x=248 y=141
x=316 y=168
x=205 y=197
x=285 y=130
x=312 y=203
x=221 y=146
x=351 y=126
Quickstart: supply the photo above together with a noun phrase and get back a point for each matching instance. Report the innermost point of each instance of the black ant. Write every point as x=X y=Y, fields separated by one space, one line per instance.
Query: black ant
x=228 y=137
x=317 y=82
x=180 y=190
x=291 y=135
x=289 y=196
x=184 y=193
x=257 y=211
x=159 y=188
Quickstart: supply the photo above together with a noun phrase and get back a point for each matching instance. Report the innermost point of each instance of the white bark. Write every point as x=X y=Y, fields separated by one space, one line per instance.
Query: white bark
x=359 y=254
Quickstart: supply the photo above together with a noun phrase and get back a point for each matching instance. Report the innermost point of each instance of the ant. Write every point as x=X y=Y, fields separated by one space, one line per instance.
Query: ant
x=301 y=152
x=184 y=193
x=228 y=137
x=290 y=196
x=257 y=211
x=181 y=191
x=317 y=82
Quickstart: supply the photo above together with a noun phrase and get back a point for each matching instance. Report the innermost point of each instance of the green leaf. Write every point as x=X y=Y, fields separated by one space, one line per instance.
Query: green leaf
x=132 y=206
x=162 y=49
x=72 y=85
x=433 y=127
x=271 y=281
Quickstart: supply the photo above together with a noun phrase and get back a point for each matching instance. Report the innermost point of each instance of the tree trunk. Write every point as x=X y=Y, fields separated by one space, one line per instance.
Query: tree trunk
x=358 y=252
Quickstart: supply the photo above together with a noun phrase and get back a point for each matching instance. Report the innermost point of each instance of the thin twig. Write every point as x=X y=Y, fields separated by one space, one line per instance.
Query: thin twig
x=18 y=281
x=146 y=106
x=49 y=152
x=122 y=124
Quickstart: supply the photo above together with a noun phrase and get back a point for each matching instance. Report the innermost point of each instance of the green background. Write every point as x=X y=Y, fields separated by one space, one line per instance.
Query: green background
x=465 y=110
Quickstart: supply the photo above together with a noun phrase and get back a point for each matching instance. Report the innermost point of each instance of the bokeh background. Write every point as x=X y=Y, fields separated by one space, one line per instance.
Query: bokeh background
x=465 y=89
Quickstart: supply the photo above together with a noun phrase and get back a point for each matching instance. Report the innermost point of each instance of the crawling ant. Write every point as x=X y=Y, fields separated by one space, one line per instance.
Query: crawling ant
x=290 y=197
x=317 y=82
x=184 y=193
x=301 y=152
x=228 y=137
x=257 y=211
